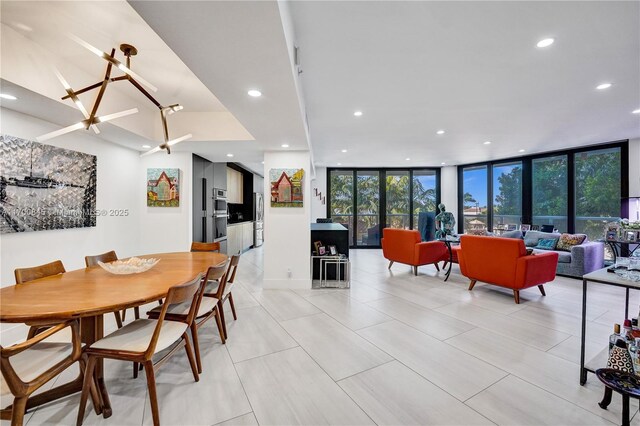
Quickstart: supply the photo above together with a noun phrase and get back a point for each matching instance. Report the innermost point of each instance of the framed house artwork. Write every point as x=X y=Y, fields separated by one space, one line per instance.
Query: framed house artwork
x=163 y=187
x=287 y=187
x=43 y=187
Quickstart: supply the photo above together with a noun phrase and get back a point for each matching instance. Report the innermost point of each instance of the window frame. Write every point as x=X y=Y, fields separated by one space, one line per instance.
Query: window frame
x=527 y=181
x=382 y=171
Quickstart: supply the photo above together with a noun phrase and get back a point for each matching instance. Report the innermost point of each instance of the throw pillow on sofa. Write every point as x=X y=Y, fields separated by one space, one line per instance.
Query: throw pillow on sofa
x=531 y=237
x=547 y=243
x=567 y=241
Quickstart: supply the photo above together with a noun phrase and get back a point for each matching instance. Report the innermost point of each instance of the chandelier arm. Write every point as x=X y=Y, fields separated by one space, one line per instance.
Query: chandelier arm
x=143 y=91
x=86 y=89
x=106 y=80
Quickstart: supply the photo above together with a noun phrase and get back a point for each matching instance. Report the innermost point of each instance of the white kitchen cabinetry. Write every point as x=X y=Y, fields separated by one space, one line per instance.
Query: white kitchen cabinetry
x=239 y=237
x=234 y=186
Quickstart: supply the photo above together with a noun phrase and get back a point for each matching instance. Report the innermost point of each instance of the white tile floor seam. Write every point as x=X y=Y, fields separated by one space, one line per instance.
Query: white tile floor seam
x=388 y=322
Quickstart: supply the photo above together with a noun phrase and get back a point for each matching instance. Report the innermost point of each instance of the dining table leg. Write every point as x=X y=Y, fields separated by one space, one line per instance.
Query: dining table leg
x=92 y=330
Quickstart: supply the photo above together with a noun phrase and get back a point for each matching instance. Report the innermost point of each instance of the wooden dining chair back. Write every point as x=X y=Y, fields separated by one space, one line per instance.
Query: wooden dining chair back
x=233 y=267
x=107 y=257
x=129 y=343
x=29 y=365
x=196 y=246
x=48 y=269
x=228 y=287
x=24 y=275
x=206 y=308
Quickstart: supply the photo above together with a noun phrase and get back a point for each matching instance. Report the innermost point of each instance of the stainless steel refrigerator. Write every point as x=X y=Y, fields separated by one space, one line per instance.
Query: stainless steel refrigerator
x=258 y=218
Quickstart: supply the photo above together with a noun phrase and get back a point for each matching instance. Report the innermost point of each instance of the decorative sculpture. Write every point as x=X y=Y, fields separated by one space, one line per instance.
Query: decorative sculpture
x=445 y=222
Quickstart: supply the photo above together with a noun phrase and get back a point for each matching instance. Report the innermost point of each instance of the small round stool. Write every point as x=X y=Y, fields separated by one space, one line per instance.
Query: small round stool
x=626 y=384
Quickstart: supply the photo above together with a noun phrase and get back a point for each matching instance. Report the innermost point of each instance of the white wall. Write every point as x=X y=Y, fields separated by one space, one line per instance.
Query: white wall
x=449 y=190
x=320 y=182
x=165 y=229
x=120 y=185
x=118 y=175
x=287 y=230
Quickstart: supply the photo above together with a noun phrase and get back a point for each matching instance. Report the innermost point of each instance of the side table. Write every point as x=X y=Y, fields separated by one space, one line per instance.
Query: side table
x=448 y=240
x=626 y=384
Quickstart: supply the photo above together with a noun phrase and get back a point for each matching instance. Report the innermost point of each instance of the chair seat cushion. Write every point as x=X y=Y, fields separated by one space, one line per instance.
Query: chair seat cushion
x=135 y=336
x=206 y=306
x=42 y=356
x=212 y=288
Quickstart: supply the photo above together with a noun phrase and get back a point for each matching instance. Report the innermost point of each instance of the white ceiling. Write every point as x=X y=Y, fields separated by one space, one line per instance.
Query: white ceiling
x=413 y=68
x=233 y=47
x=471 y=68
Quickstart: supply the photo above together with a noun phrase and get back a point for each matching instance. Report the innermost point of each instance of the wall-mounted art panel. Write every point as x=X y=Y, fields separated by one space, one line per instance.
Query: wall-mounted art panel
x=286 y=187
x=44 y=187
x=163 y=187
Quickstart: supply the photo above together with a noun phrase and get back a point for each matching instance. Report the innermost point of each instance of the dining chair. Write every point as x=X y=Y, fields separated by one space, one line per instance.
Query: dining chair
x=212 y=288
x=107 y=257
x=207 y=308
x=196 y=246
x=141 y=339
x=24 y=275
x=29 y=365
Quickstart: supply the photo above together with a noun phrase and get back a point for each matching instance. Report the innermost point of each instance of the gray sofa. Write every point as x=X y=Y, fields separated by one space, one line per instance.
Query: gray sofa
x=582 y=258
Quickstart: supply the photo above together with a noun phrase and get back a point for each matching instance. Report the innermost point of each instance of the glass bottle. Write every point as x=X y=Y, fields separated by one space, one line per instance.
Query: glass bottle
x=615 y=336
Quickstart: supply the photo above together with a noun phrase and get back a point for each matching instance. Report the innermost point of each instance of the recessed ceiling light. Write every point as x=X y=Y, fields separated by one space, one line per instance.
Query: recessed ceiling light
x=358 y=113
x=254 y=93
x=603 y=86
x=545 y=42
x=339 y=164
x=263 y=162
x=440 y=132
x=408 y=159
x=7 y=96
x=146 y=146
x=522 y=150
x=229 y=155
x=487 y=142
x=636 y=111
x=344 y=150
x=443 y=164
x=285 y=145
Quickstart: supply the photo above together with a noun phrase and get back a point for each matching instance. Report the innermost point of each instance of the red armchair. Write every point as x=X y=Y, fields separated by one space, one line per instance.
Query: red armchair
x=504 y=262
x=403 y=246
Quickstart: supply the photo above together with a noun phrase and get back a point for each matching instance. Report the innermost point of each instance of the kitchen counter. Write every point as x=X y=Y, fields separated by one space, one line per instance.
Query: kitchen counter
x=239 y=236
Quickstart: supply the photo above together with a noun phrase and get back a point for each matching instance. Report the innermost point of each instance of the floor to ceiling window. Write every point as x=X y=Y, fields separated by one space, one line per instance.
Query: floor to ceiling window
x=397 y=195
x=550 y=192
x=368 y=200
x=424 y=194
x=507 y=195
x=475 y=198
x=574 y=191
x=597 y=190
x=341 y=201
x=368 y=208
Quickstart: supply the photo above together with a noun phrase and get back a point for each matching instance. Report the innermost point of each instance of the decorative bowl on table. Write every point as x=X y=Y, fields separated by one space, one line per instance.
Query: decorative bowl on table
x=628 y=274
x=133 y=265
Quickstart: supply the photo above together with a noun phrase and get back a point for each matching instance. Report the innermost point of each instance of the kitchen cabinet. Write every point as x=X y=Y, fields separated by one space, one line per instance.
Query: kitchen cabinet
x=234 y=186
x=239 y=237
x=247 y=235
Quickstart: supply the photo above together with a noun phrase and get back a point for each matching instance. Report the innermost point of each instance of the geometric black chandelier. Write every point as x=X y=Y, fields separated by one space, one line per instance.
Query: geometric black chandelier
x=91 y=118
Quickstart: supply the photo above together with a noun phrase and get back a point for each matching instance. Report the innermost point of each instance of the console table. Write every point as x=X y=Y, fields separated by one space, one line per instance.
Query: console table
x=601 y=276
x=618 y=245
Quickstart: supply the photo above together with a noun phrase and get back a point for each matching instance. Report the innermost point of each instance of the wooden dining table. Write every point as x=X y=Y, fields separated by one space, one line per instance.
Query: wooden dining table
x=87 y=294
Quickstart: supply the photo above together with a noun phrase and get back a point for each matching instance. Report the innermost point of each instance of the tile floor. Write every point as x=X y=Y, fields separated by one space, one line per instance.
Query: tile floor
x=394 y=349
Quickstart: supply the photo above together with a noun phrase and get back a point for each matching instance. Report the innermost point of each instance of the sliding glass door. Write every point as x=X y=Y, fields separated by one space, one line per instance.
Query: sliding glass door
x=397 y=194
x=475 y=198
x=550 y=192
x=368 y=208
x=341 y=201
x=368 y=200
x=597 y=190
